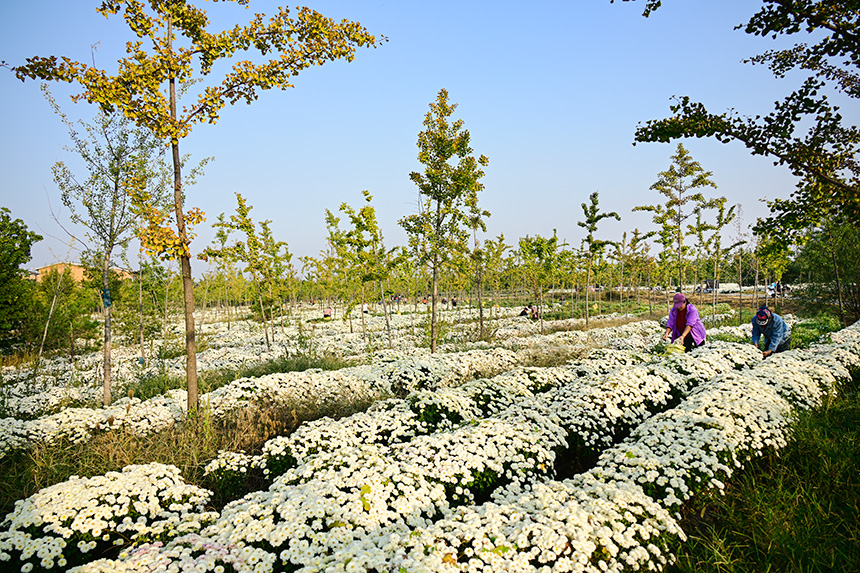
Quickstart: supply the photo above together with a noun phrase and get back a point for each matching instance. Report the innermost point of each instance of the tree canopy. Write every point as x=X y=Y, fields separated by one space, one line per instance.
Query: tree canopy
x=805 y=131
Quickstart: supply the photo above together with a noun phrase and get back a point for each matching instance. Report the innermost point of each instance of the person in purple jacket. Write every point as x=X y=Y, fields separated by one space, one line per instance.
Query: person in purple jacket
x=685 y=324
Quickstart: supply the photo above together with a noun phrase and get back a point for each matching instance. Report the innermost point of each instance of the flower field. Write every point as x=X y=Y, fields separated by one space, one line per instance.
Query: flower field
x=468 y=459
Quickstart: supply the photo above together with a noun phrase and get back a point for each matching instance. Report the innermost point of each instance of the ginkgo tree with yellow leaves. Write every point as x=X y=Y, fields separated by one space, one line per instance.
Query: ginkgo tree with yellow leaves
x=173 y=48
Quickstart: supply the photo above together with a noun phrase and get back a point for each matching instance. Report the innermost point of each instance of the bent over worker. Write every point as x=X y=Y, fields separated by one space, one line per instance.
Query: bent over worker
x=685 y=324
x=777 y=334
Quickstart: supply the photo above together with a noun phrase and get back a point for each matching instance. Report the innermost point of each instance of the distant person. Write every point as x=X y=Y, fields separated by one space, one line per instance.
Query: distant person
x=453 y=301
x=777 y=334
x=525 y=311
x=364 y=308
x=327 y=313
x=685 y=324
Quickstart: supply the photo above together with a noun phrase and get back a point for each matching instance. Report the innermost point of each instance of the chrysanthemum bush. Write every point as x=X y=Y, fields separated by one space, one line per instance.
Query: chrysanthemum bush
x=310 y=390
x=392 y=372
x=61 y=381
x=583 y=524
x=726 y=421
x=83 y=518
x=396 y=421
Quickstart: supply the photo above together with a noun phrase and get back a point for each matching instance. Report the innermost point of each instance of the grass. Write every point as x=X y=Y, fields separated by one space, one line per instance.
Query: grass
x=796 y=511
x=160 y=382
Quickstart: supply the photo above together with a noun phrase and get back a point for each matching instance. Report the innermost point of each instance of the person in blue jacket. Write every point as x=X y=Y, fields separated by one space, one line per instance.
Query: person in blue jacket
x=777 y=334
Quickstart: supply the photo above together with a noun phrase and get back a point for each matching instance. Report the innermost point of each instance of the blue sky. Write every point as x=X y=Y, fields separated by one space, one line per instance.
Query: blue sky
x=550 y=91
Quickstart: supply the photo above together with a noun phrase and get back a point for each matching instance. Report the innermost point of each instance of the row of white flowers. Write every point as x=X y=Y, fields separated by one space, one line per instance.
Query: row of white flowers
x=426 y=412
x=356 y=510
x=62 y=381
x=312 y=387
x=390 y=373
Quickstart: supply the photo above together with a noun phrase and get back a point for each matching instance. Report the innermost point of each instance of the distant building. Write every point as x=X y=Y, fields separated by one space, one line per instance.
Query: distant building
x=77 y=272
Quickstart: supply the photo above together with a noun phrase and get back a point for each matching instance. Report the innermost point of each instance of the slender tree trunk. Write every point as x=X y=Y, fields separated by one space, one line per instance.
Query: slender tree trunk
x=540 y=308
x=832 y=249
x=363 y=324
x=107 y=339
x=587 y=286
x=714 y=293
x=755 y=291
x=740 y=289
x=480 y=303
x=205 y=305
x=434 y=296
x=166 y=306
x=263 y=314
x=185 y=257
x=650 y=293
x=385 y=310
x=48 y=321
x=140 y=305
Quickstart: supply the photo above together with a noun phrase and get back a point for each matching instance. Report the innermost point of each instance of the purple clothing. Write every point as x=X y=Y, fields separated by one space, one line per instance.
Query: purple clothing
x=693 y=320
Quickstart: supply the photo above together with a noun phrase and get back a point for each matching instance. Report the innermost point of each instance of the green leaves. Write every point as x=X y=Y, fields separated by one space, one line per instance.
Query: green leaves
x=137 y=90
x=448 y=187
x=804 y=131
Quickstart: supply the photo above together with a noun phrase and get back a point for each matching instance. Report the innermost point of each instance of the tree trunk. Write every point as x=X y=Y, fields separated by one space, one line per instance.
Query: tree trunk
x=832 y=250
x=714 y=293
x=650 y=292
x=140 y=306
x=740 y=289
x=363 y=324
x=385 y=310
x=265 y=327
x=480 y=302
x=185 y=257
x=434 y=296
x=166 y=306
x=755 y=289
x=107 y=345
x=48 y=321
x=587 y=286
x=205 y=304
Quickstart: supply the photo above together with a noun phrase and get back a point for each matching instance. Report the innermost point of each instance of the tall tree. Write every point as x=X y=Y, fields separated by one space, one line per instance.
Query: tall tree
x=365 y=242
x=805 y=131
x=260 y=253
x=448 y=186
x=145 y=87
x=119 y=160
x=592 y=247
x=478 y=256
x=16 y=240
x=718 y=252
x=676 y=184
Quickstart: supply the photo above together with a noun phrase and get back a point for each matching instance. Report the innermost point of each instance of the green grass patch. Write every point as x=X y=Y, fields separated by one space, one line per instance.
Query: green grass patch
x=725 y=337
x=156 y=384
x=798 y=510
x=813 y=330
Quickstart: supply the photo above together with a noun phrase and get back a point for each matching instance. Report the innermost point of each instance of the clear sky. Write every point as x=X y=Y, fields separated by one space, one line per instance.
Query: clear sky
x=551 y=92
